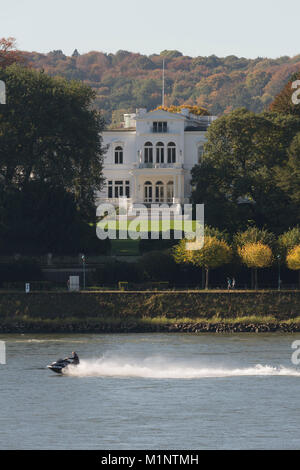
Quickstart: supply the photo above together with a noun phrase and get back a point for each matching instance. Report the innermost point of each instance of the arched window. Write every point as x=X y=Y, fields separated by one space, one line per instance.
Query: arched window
x=171 y=152
x=200 y=150
x=118 y=156
x=148 y=191
x=170 y=191
x=148 y=152
x=160 y=152
x=159 y=192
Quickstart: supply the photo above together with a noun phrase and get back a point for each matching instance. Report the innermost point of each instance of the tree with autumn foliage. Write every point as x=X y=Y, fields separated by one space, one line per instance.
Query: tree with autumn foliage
x=9 y=53
x=129 y=80
x=293 y=259
x=255 y=248
x=289 y=248
x=254 y=235
x=256 y=256
x=283 y=102
x=196 y=110
x=213 y=254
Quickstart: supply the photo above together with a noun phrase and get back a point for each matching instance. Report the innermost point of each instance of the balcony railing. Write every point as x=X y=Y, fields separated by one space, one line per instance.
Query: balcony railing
x=160 y=131
x=159 y=128
x=159 y=165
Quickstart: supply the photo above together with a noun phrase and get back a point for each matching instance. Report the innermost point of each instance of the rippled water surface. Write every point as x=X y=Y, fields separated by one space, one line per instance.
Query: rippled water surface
x=159 y=391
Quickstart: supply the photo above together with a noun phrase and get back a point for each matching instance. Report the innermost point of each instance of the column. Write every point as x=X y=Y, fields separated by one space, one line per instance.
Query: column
x=179 y=189
x=135 y=195
x=175 y=186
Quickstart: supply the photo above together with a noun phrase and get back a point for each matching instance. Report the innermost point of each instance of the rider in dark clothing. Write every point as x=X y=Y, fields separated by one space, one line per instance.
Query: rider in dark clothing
x=75 y=358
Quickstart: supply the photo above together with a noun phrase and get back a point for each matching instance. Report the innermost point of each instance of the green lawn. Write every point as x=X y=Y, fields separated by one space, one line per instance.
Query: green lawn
x=129 y=247
x=147 y=225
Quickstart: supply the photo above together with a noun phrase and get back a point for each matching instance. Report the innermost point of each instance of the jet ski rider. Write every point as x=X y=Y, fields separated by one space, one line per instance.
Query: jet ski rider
x=74 y=358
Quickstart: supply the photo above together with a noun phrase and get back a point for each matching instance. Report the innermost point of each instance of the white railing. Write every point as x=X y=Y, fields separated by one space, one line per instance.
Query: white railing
x=114 y=200
x=158 y=165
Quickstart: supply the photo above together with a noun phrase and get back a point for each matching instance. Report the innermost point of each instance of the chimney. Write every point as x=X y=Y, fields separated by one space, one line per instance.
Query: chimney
x=141 y=111
x=129 y=120
x=185 y=112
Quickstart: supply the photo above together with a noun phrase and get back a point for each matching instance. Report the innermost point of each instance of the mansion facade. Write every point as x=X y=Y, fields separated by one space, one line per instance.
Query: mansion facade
x=150 y=158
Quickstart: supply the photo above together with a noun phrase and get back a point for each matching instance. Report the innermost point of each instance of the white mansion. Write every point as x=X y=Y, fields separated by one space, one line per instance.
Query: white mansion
x=149 y=159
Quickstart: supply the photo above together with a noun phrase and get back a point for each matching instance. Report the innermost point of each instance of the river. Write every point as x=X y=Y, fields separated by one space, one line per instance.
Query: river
x=151 y=391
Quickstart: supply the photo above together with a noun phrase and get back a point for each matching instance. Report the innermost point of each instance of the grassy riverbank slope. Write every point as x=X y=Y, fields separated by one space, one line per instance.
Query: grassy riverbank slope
x=194 y=311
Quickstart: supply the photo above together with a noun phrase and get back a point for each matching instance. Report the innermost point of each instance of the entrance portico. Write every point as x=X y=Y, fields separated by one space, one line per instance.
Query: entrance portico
x=152 y=186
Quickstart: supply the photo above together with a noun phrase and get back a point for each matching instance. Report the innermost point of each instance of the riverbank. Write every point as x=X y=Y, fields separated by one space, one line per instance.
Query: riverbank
x=168 y=311
x=25 y=326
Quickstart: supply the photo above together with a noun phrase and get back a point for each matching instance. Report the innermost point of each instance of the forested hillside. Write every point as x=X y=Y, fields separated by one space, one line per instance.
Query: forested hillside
x=125 y=80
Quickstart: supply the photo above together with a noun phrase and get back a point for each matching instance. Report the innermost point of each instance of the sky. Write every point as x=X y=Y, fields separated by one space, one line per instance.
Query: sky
x=252 y=28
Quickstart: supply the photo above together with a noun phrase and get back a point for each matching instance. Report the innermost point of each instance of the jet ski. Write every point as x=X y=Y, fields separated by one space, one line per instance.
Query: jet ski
x=61 y=364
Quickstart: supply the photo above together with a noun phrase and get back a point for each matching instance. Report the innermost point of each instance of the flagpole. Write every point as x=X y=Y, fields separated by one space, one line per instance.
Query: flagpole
x=163 y=90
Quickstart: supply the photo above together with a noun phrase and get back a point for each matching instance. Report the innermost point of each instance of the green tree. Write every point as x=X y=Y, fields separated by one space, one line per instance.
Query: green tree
x=236 y=180
x=51 y=154
x=40 y=220
x=288 y=175
x=49 y=133
x=254 y=235
x=288 y=240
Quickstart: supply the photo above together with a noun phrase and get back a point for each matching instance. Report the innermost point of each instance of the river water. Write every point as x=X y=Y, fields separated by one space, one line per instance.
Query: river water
x=151 y=391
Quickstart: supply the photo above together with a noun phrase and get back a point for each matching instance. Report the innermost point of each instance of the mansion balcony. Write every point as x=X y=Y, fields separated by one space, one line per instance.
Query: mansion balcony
x=145 y=201
x=175 y=165
x=159 y=127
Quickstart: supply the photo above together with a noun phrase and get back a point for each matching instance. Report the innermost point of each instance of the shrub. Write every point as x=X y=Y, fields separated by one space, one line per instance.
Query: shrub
x=123 y=285
x=22 y=270
x=158 y=266
x=114 y=272
x=157 y=245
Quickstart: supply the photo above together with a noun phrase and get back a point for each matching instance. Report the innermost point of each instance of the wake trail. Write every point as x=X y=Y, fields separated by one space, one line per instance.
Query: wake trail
x=159 y=368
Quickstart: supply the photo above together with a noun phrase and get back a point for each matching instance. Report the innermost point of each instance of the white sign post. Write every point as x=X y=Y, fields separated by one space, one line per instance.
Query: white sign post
x=27 y=287
x=74 y=284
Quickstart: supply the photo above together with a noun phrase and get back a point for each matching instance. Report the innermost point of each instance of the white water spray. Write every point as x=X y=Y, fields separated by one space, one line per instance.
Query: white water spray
x=161 y=368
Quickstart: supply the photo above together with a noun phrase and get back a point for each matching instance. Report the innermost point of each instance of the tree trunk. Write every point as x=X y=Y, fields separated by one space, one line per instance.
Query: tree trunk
x=206 y=278
x=203 y=278
x=256 y=283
